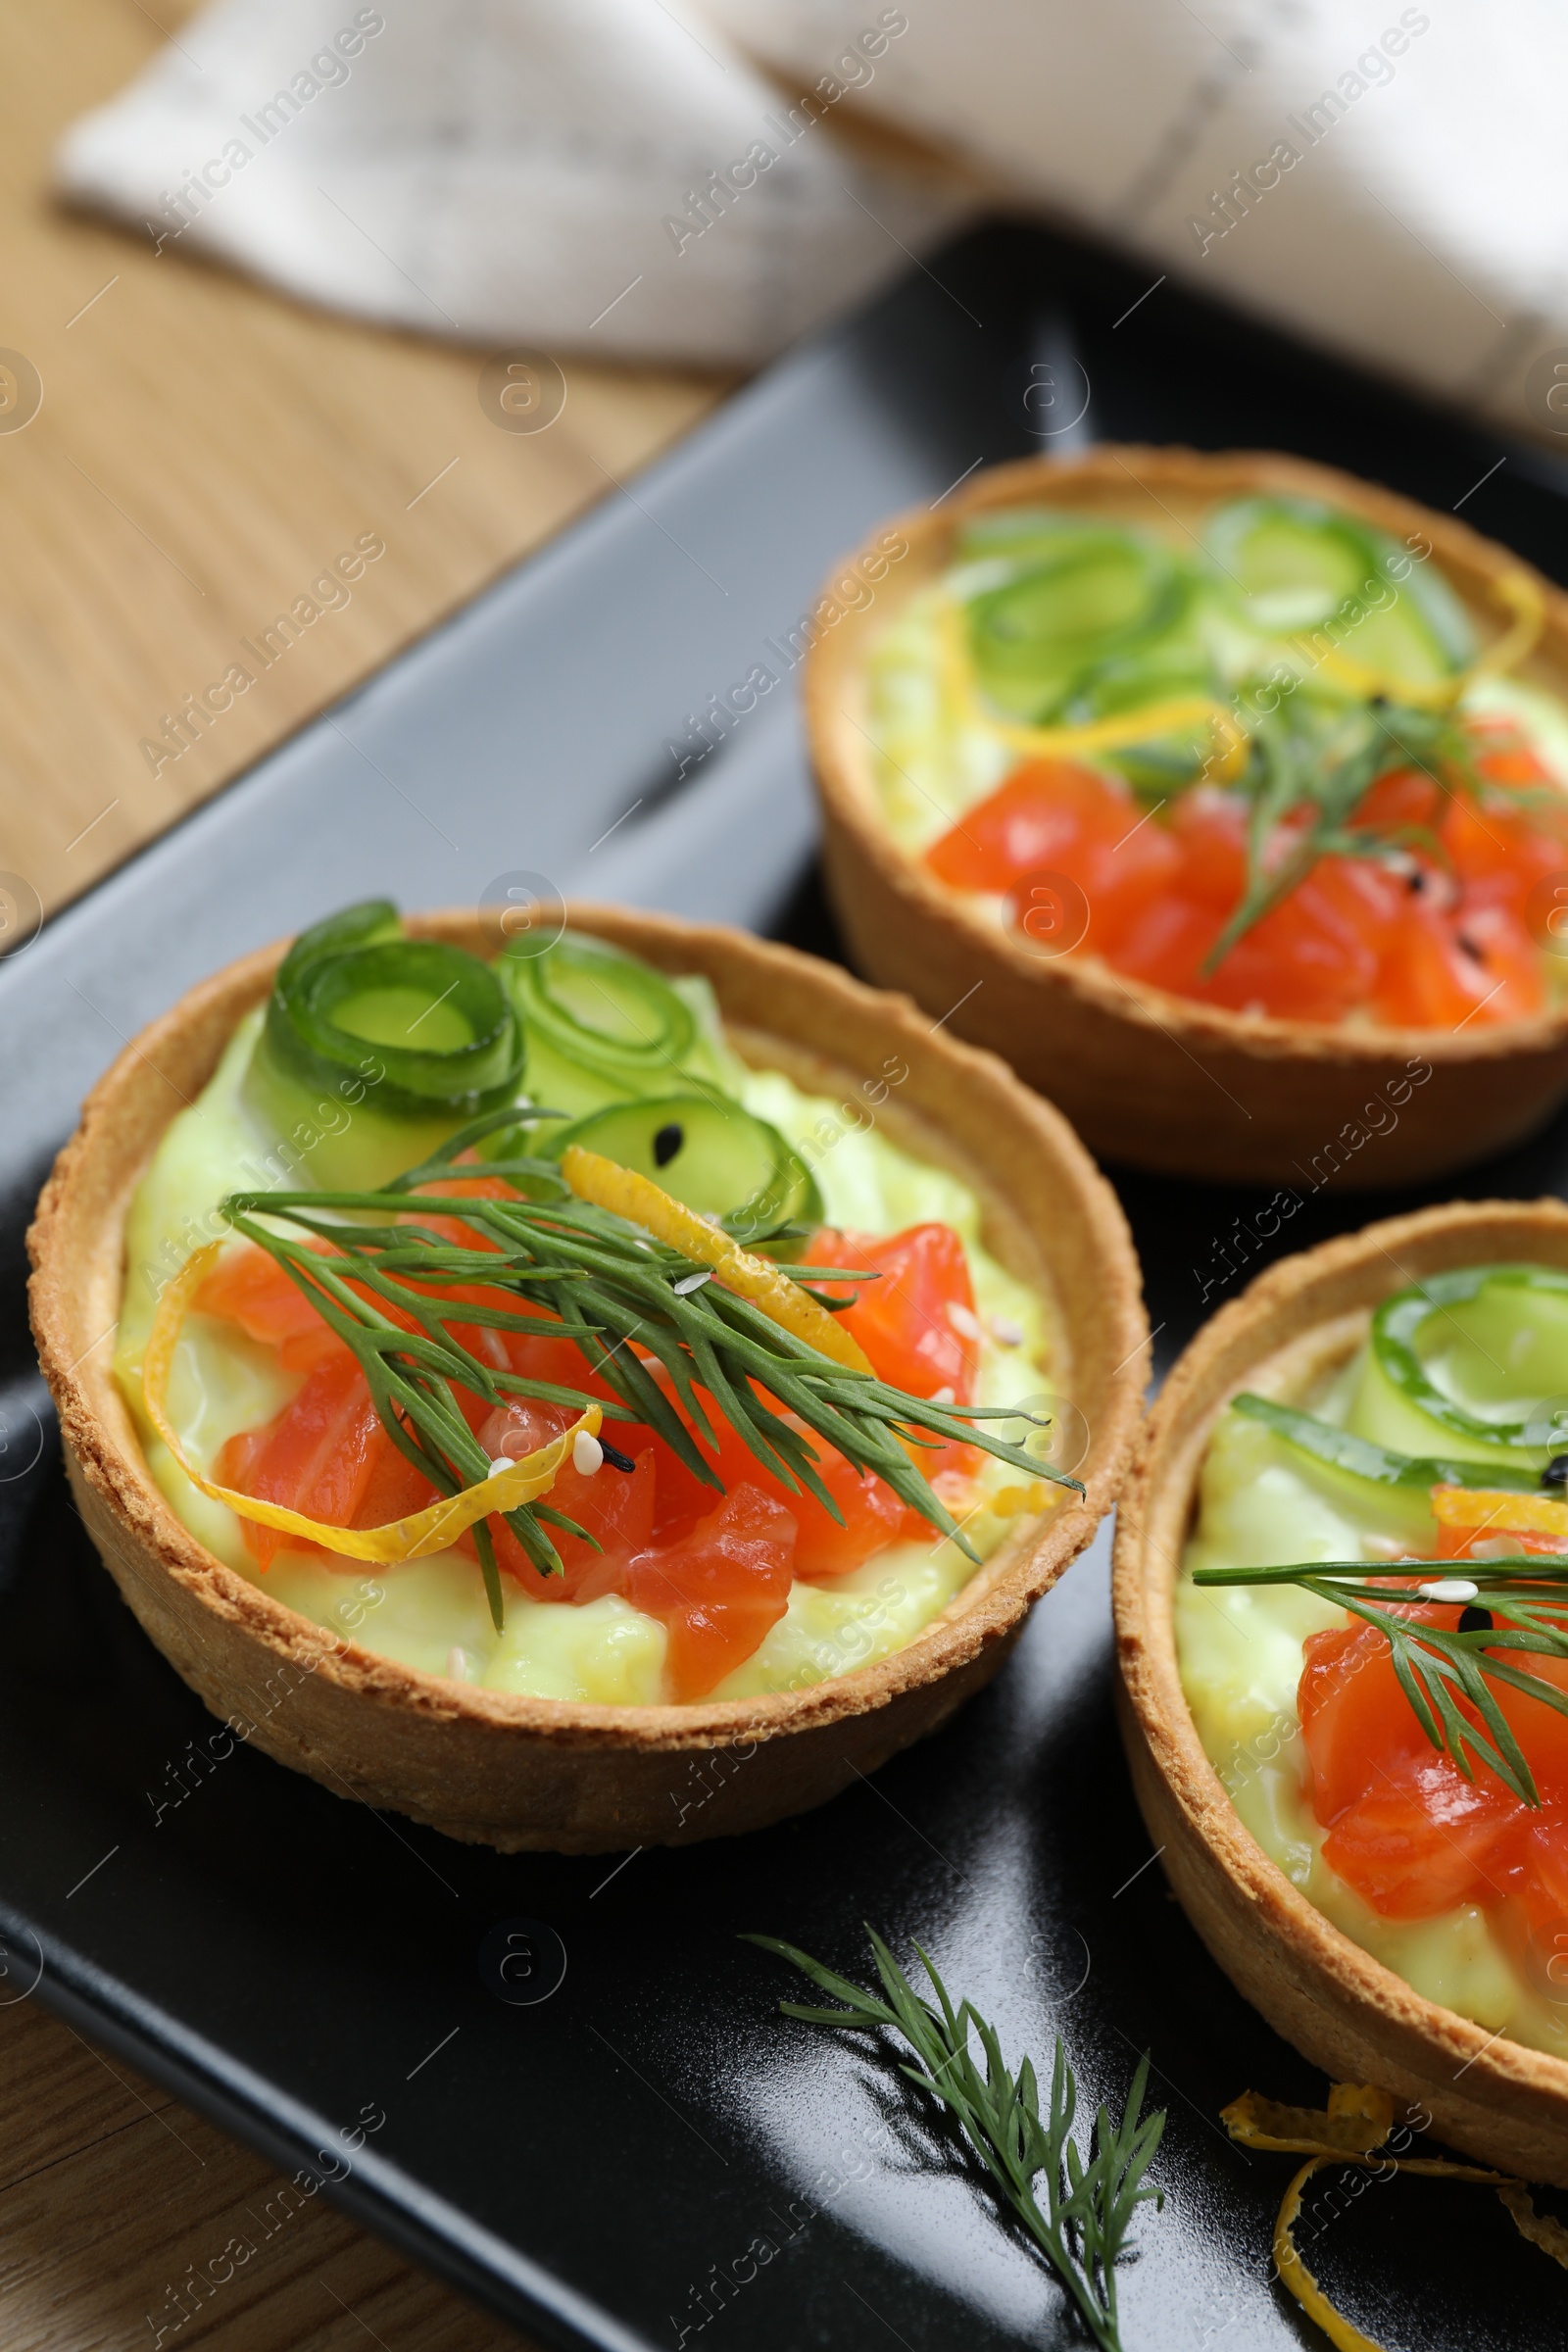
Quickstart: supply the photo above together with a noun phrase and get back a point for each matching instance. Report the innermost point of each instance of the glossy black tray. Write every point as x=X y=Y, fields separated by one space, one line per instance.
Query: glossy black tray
x=649 y=2156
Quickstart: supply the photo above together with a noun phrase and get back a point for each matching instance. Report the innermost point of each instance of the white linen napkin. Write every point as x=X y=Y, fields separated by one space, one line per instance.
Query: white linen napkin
x=619 y=175
x=596 y=174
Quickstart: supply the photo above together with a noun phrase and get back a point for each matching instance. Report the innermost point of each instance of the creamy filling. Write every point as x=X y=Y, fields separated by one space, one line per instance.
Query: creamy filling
x=1240 y=1652
x=431 y=1614
x=935 y=758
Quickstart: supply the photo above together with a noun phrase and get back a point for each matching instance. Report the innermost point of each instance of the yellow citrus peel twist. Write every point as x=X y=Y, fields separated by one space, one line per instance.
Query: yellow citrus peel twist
x=1095 y=735
x=1351 y=2131
x=1517 y=591
x=1514 y=589
x=431 y=1530
x=641 y=1202
x=1130 y=726
x=1503 y=1509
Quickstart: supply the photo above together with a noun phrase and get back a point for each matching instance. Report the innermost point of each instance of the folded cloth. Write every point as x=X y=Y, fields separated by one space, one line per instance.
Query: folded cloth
x=1379 y=178
x=605 y=176
x=619 y=175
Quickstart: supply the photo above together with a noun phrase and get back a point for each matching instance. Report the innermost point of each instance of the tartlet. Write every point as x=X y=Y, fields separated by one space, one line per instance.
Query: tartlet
x=527 y=1773
x=1149 y=1078
x=1491 y=2097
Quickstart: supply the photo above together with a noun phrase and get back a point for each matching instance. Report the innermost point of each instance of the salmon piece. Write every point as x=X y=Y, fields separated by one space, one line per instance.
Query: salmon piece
x=315 y=1456
x=1442 y=942
x=720 y=1590
x=1423 y=1839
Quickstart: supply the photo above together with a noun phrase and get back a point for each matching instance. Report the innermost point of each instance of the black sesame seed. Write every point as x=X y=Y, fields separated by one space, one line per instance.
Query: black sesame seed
x=1475 y=1621
x=666 y=1142
x=1555 y=1474
x=614 y=1457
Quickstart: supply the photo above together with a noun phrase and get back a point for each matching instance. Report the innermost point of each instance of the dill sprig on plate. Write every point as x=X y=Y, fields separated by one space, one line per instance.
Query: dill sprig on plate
x=1082 y=2223
x=383 y=1282
x=1437 y=1666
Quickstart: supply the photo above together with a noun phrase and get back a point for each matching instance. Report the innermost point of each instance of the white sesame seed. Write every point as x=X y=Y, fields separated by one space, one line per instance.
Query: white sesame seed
x=944 y=1395
x=457 y=1665
x=1450 y=1588
x=1005 y=1332
x=965 y=1322
x=502 y=1461
x=586 y=1453
x=692 y=1282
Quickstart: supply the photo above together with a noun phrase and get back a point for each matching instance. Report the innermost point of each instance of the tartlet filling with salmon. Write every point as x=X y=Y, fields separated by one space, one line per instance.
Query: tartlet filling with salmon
x=1273 y=767
x=668 y=1556
x=1399 y=1742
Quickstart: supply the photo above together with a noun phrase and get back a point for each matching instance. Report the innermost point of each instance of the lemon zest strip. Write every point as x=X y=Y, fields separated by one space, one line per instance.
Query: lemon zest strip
x=1517 y=591
x=416 y=1537
x=1342 y=2332
x=1095 y=735
x=1012 y=1502
x=1502 y=1509
x=1360 y=2117
x=1358 y=2120
x=1541 y=2229
x=1514 y=589
x=641 y=1202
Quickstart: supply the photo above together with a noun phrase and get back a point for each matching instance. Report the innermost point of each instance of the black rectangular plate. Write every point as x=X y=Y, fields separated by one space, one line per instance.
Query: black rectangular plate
x=651 y=2156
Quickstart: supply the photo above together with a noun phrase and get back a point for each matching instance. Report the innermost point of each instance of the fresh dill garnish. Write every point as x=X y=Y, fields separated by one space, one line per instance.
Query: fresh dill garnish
x=1526 y=1596
x=1325 y=759
x=1088 y=2202
x=399 y=1293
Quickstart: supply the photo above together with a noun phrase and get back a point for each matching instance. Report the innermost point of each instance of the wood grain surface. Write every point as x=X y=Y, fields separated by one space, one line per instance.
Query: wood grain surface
x=204 y=449
x=115 y=2200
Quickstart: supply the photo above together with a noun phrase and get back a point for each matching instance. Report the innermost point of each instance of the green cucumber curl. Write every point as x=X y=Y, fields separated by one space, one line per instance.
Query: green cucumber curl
x=712 y=1155
x=1294 y=563
x=376 y=1046
x=1378 y=1465
x=602 y=1011
x=356 y=981
x=1071 y=597
x=1402 y=1323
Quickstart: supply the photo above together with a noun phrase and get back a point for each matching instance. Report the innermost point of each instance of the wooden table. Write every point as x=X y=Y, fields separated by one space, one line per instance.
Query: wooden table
x=203 y=450
x=111 y=2193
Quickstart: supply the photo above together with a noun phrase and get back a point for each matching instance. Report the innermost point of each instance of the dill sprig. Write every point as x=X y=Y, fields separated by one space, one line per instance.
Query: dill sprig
x=1088 y=2202
x=1328 y=762
x=1437 y=1667
x=384 y=1283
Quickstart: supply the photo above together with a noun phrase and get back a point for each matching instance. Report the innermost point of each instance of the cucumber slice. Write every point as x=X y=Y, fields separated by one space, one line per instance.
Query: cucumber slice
x=586 y=1005
x=1292 y=560
x=1381 y=1490
x=571 y=1088
x=1161 y=670
x=1424 y=633
x=1481 y=1354
x=1294 y=563
x=376 y=1046
x=709 y=1153
x=1079 y=597
x=1036 y=535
